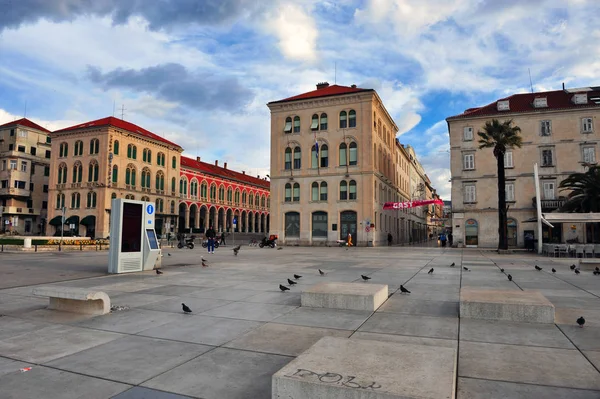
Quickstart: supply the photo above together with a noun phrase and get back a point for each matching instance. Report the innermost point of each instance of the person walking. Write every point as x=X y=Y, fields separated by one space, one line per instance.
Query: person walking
x=443 y=239
x=349 y=240
x=390 y=239
x=222 y=241
x=450 y=239
x=210 y=235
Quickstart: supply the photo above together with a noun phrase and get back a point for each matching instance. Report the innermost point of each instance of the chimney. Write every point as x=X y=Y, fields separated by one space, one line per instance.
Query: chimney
x=353 y=86
x=322 y=85
x=243 y=172
x=225 y=165
x=197 y=159
x=258 y=176
x=216 y=162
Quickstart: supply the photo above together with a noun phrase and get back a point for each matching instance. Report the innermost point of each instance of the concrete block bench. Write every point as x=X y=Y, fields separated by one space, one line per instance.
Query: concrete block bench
x=350 y=296
x=343 y=368
x=75 y=300
x=507 y=305
x=589 y=264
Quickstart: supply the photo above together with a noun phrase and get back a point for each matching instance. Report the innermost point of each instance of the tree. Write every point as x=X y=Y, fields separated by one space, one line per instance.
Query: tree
x=584 y=190
x=500 y=137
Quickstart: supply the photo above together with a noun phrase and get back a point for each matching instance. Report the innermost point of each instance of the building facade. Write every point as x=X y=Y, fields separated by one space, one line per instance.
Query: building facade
x=335 y=161
x=560 y=133
x=25 y=152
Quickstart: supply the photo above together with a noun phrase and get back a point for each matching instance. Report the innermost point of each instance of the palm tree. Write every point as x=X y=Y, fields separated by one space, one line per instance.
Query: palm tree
x=585 y=191
x=500 y=137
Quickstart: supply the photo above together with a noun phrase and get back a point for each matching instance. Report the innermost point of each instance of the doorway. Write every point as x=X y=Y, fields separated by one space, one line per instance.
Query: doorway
x=348 y=221
x=511 y=227
x=471 y=233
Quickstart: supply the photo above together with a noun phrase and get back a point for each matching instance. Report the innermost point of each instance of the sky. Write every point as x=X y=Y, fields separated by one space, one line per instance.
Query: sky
x=200 y=72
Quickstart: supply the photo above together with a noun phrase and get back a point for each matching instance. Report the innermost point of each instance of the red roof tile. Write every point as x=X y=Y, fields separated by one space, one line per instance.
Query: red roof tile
x=333 y=90
x=121 y=124
x=26 y=122
x=520 y=103
x=222 y=172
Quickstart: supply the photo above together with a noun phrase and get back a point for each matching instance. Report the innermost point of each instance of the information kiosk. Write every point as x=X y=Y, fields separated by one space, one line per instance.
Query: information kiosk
x=133 y=243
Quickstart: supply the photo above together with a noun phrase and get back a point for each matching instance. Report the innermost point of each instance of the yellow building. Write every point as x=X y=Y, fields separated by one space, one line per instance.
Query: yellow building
x=110 y=158
x=560 y=134
x=335 y=161
x=24 y=170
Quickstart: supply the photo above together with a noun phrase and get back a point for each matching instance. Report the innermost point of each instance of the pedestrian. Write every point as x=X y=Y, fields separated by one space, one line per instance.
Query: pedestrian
x=349 y=239
x=222 y=239
x=210 y=235
x=390 y=239
x=443 y=239
x=450 y=239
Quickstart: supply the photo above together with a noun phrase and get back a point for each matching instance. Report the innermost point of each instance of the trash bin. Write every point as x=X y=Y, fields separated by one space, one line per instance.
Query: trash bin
x=370 y=243
x=27 y=243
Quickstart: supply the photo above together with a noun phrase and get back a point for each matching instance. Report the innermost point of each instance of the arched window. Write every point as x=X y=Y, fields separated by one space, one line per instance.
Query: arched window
x=324 y=152
x=288 y=125
x=131 y=151
x=75 y=200
x=292 y=224
x=343 y=190
x=353 y=153
x=94 y=146
x=237 y=198
x=314 y=157
x=146 y=178
x=244 y=197
x=116 y=147
x=323 y=192
x=160 y=181
x=93 y=171
x=78 y=150
x=315 y=191
x=91 y=199
x=323 y=121
x=149 y=156
x=160 y=159
x=173 y=184
x=343 y=157
x=352 y=118
x=174 y=163
x=145 y=198
x=62 y=173
x=113 y=196
x=213 y=192
x=159 y=205
x=194 y=188
x=60 y=201
x=251 y=200
x=288 y=158
x=288 y=192
x=172 y=207
x=183 y=186
x=63 y=150
x=296 y=192
x=297 y=158
x=221 y=193
x=269 y=202
x=144 y=154
x=130 y=196
x=77 y=172
x=115 y=174
x=130 y=175
x=296 y=124
x=203 y=190
x=262 y=201
x=314 y=124
x=352 y=190
x=257 y=200
x=229 y=195
x=343 y=120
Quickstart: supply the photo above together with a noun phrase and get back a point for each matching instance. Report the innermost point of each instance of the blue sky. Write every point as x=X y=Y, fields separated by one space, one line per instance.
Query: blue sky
x=200 y=72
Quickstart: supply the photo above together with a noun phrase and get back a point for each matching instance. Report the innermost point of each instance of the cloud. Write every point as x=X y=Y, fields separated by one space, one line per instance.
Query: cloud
x=51 y=125
x=174 y=83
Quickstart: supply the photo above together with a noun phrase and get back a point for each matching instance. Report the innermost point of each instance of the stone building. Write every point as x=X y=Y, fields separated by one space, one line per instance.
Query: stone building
x=24 y=170
x=335 y=161
x=560 y=134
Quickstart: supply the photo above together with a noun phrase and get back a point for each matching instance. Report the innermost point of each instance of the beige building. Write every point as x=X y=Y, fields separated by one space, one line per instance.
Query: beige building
x=110 y=158
x=560 y=134
x=24 y=171
x=335 y=161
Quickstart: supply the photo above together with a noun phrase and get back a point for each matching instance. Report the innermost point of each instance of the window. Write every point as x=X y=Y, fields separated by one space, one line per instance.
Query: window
x=288 y=125
x=547 y=158
x=314 y=157
x=130 y=175
x=160 y=159
x=319 y=224
x=193 y=188
x=288 y=159
x=77 y=172
x=62 y=174
x=60 y=201
x=19 y=184
x=296 y=192
x=343 y=149
x=3 y=165
x=323 y=192
x=352 y=189
x=315 y=191
x=221 y=193
x=63 y=150
x=75 y=200
x=173 y=184
x=589 y=155
x=468 y=133
x=183 y=187
x=115 y=174
x=469 y=161
x=45 y=188
x=545 y=128
x=4 y=184
x=12 y=132
x=470 y=195
x=147 y=155
x=131 y=151
x=22 y=133
x=203 y=191
x=78 y=150
x=146 y=177
x=292 y=224
x=237 y=198
x=324 y=150
x=33 y=150
x=297 y=158
x=46 y=170
x=11 y=147
x=548 y=188
x=323 y=121
x=343 y=190
x=288 y=193
x=510 y=192
x=21 y=148
x=116 y=147
x=47 y=155
x=314 y=124
x=508 y=159
x=91 y=199
x=352 y=118
x=172 y=207
x=213 y=192
x=296 y=124
x=587 y=125
x=229 y=194
x=44 y=204
x=94 y=146
x=159 y=205
x=23 y=166
x=93 y=172
x=30 y=202
x=343 y=120
x=353 y=154
x=174 y=163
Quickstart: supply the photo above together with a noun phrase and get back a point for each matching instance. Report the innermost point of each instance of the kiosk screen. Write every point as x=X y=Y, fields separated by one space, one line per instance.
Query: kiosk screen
x=152 y=238
x=131 y=238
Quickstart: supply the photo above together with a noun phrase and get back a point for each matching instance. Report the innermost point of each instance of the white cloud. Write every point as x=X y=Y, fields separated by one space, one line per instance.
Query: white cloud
x=295 y=30
x=51 y=125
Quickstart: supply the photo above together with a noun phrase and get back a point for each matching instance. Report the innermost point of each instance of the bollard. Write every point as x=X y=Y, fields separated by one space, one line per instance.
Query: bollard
x=35 y=247
x=81 y=247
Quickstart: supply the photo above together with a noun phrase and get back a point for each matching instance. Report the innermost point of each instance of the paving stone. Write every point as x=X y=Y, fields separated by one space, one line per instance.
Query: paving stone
x=250 y=311
x=22 y=305
x=130 y=321
x=147 y=393
x=594 y=357
x=504 y=332
x=326 y=318
x=422 y=326
x=131 y=359
x=400 y=303
x=42 y=382
x=227 y=293
x=203 y=330
x=283 y=339
x=290 y=299
x=570 y=315
x=55 y=316
x=173 y=305
x=527 y=364
x=222 y=373
x=587 y=338
x=8 y=366
x=471 y=388
x=13 y=327
x=134 y=300
x=406 y=339
x=575 y=302
x=169 y=290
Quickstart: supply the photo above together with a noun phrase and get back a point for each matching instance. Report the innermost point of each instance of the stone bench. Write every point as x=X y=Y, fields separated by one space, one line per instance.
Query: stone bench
x=507 y=305
x=349 y=296
x=75 y=300
x=364 y=369
x=589 y=264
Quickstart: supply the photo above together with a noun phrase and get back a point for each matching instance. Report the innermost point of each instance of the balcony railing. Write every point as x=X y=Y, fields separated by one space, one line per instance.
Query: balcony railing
x=550 y=205
x=17 y=192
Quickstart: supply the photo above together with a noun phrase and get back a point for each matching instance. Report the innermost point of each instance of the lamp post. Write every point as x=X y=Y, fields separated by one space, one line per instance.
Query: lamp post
x=62 y=227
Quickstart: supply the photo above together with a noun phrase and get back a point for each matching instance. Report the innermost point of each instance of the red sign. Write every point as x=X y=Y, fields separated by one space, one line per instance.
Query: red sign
x=411 y=204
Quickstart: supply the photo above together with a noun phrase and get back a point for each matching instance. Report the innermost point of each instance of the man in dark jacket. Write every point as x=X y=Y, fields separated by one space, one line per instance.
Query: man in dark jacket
x=210 y=235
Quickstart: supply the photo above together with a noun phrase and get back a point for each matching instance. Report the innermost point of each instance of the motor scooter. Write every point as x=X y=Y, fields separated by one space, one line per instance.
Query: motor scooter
x=270 y=242
x=186 y=242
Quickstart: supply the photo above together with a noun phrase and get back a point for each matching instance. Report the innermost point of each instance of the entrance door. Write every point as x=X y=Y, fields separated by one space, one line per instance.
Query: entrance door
x=511 y=225
x=348 y=225
x=471 y=233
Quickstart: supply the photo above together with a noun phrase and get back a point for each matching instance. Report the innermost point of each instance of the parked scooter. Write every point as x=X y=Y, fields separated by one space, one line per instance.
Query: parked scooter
x=186 y=242
x=270 y=242
x=205 y=243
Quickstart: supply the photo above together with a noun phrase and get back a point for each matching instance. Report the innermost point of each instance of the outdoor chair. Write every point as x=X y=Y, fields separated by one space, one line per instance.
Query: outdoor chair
x=562 y=249
x=579 y=251
x=589 y=250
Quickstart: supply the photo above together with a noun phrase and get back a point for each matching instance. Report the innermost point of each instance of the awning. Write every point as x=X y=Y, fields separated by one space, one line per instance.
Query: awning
x=549 y=218
x=72 y=220
x=56 y=221
x=89 y=220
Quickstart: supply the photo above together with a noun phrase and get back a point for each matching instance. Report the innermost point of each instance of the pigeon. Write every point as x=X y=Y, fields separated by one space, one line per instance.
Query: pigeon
x=466 y=268
x=185 y=308
x=573 y=267
x=509 y=277
x=283 y=288
x=453 y=264
x=158 y=271
x=291 y=282
x=297 y=276
x=169 y=254
x=430 y=271
x=538 y=268
x=596 y=273
x=365 y=277
x=236 y=250
x=404 y=290
x=576 y=271
x=203 y=260
x=581 y=321
x=597 y=269
x=204 y=264
x=501 y=270
x=321 y=272
x=279 y=248
x=553 y=270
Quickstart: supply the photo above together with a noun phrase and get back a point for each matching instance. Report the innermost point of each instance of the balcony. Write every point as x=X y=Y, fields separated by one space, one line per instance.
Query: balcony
x=12 y=210
x=14 y=192
x=550 y=205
